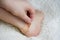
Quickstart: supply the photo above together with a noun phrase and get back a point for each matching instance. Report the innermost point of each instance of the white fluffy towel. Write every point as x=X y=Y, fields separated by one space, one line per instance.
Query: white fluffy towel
x=51 y=23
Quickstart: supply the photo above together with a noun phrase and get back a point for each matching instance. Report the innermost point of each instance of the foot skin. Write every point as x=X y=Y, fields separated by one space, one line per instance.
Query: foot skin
x=29 y=30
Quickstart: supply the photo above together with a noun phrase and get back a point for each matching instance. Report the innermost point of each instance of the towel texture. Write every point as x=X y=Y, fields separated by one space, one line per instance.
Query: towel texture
x=51 y=23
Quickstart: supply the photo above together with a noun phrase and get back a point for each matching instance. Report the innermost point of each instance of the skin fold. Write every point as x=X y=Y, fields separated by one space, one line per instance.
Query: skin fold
x=29 y=30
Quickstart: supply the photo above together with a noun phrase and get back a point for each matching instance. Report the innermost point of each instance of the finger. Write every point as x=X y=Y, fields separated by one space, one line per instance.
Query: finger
x=31 y=11
x=27 y=19
x=7 y=17
x=16 y=10
x=23 y=16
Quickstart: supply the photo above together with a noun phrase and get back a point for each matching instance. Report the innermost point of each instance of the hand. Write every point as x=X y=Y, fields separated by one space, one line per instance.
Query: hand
x=27 y=29
x=19 y=9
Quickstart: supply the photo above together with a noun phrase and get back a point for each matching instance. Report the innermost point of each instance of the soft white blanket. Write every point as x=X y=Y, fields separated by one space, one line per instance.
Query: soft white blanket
x=51 y=23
